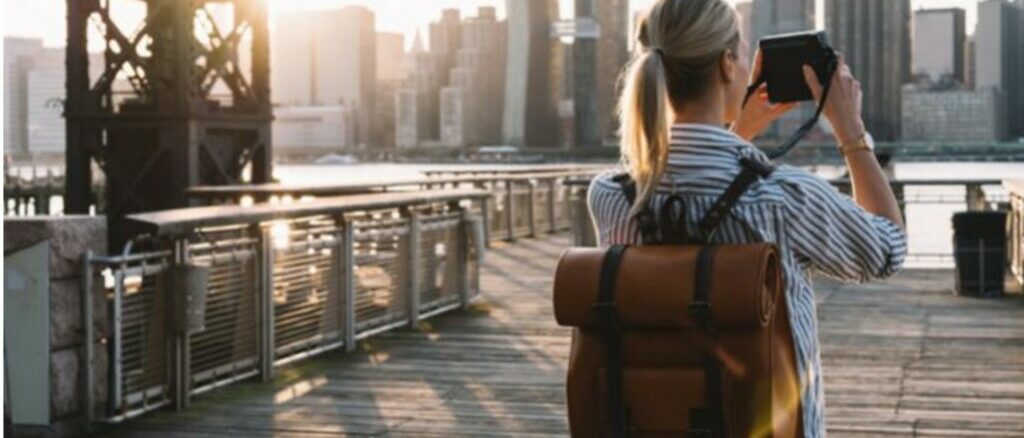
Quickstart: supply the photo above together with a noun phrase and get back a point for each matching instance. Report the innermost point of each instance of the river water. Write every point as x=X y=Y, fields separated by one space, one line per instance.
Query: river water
x=929 y=209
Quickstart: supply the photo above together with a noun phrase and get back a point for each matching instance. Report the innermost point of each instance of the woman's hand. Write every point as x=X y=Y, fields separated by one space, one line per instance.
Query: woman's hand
x=843 y=107
x=758 y=112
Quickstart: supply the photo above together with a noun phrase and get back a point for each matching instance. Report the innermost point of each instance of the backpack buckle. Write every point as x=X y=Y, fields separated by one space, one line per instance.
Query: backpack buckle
x=701 y=311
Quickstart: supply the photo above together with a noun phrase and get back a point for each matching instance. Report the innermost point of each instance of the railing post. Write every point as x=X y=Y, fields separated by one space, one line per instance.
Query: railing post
x=462 y=256
x=509 y=207
x=266 y=303
x=349 y=284
x=182 y=348
x=114 y=396
x=531 y=209
x=899 y=192
x=87 y=325
x=552 y=217
x=975 y=197
x=485 y=213
x=414 y=265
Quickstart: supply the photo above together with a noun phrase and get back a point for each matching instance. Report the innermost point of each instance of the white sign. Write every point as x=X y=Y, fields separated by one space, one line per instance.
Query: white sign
x=579 y=28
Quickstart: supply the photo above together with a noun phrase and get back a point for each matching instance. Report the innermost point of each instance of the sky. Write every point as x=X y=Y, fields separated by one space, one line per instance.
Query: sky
x=45 y=18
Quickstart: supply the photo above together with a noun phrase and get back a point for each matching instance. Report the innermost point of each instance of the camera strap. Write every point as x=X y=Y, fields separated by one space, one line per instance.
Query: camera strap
x=791 y=142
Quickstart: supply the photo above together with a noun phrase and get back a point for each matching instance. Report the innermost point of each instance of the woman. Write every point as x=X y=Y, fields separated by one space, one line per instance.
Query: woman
x=686 y=83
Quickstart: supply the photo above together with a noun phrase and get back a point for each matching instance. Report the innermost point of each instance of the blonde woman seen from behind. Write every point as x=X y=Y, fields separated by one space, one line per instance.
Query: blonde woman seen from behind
x=684 y=87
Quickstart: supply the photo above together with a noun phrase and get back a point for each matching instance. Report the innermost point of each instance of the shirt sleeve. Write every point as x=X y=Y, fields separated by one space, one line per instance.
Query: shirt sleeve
x=834 y=235
x=609 y=212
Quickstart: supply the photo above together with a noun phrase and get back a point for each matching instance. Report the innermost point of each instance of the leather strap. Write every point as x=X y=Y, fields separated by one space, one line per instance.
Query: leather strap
x=709 y=421
x=752 y=169
x=700 y=307
x=617 y=417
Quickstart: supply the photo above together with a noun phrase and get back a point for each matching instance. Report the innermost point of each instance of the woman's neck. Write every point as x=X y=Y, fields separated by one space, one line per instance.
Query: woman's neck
x=707 y=110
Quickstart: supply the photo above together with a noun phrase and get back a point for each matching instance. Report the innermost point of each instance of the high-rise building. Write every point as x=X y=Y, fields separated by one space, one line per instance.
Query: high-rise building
x=471 y=105
x=745 y=11
x=612 y=56
x=970 y=66
x=772 y=17
x=327 y=57
x=390 y=54
x=445 y=40
x=314 y=127
x=874 y=37
x=938 y=44
x=391 y=69
x=532 y=71
x=953 y=114
x=19 y=54
x=45 y=101
x=597 y=64
x=999 y=57
x=417 y=101
x=781 y=16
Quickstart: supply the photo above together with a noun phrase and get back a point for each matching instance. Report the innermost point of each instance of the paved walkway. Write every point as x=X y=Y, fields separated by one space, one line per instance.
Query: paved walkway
x=904 y=357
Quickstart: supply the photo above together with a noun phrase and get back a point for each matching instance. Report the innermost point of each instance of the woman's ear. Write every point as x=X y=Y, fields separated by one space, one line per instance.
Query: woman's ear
x=727 y=66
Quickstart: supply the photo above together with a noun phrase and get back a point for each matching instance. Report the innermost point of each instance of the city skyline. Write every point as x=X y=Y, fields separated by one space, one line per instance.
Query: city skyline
x=34 y=19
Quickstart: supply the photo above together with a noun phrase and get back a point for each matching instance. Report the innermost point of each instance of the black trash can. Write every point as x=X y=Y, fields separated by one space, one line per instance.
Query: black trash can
x=979 y=249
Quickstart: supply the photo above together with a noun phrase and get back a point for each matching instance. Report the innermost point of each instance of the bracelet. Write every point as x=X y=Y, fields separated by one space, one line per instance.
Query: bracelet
x=857 y=145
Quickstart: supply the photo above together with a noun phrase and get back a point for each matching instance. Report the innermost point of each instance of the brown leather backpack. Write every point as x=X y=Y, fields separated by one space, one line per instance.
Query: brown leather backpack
x=686 y=339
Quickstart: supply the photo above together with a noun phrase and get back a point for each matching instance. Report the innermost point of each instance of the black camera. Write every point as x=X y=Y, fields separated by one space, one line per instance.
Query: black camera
x=782 y=60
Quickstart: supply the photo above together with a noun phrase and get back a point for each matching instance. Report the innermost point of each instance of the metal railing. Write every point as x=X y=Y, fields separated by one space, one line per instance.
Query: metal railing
x=280 y=286
x=522 y=203
x=1015 y=229
x=916 y=198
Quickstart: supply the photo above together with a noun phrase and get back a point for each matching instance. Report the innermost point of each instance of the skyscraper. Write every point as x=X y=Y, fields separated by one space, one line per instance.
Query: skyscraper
x=530 y=115
x=874 y=37
x=445 y=40
x=999 y=52
x=939 y=43
x=597 y=64
x=745 y=11
x=471 y=104
x=782 y=16
x=390 y=53
x=327 y=57
x=19 y=54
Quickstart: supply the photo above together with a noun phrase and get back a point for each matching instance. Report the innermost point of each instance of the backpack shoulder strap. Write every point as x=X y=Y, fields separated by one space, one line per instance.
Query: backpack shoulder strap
x=627 y=185
x=647 y=227
x=752 y=170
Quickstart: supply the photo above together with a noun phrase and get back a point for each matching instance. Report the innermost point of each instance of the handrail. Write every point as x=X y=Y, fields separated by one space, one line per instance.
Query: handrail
x=278 y=189
x=183 y=220
x=513 y=169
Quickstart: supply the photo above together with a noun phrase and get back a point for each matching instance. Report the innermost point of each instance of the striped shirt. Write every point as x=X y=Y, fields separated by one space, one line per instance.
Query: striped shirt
x=816 y=228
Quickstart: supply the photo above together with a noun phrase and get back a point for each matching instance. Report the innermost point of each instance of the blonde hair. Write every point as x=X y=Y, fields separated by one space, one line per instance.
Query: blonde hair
x=680 y=43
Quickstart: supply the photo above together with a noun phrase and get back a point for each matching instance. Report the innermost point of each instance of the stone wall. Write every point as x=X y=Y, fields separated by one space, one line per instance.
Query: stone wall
x=69 y=237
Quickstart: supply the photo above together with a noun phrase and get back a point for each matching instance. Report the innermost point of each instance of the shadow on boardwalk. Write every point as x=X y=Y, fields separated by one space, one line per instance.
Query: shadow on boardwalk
x=903 y=357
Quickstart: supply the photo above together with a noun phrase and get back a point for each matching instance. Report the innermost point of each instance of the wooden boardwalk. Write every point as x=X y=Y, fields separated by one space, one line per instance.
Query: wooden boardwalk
x=901 y=358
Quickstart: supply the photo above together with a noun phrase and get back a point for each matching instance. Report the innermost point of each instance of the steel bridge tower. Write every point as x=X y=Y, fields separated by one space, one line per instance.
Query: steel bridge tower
x=174 y=104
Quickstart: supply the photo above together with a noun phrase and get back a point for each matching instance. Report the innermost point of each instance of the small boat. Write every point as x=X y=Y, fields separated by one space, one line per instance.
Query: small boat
x=336 y=159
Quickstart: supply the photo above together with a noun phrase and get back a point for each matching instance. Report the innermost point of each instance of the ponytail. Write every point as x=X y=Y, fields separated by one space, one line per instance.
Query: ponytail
x=679 y=45
x=644 y=124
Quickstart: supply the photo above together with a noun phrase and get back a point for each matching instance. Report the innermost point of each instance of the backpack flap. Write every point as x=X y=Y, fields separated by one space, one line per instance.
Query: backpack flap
x=656 y=285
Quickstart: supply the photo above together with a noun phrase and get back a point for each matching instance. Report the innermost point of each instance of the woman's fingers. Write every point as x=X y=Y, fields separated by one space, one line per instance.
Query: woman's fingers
x=812 y=82
x=756 y=71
